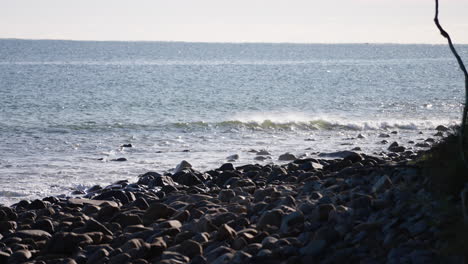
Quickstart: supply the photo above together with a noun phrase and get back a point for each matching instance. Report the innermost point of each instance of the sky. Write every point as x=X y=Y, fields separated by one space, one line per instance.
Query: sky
x=295 y=21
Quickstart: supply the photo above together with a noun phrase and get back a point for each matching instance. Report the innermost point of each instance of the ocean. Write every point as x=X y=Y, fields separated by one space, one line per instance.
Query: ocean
x=68 y=107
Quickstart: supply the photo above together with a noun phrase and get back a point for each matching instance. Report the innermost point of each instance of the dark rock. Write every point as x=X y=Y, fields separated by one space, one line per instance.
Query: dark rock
x=157 y=211
x=34 y=234
x=182 y=166
x=36 y=204
x=270 y=218
x=119 y=159
x=226 y=195
x=314 y=248
x=287 y=157
x=20 y=256
x=292 y=220
x=93 y=225
x=227 y=167
x=127 y=145
x=225 y=232
x=190 y=248
x=442 y=128
x=67 y=243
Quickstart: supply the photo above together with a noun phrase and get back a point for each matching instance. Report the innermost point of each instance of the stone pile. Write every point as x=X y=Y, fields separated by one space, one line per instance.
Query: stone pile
x=356 y=209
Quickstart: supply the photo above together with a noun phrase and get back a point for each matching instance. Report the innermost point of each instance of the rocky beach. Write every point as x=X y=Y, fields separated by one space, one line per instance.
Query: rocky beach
x=346 y=207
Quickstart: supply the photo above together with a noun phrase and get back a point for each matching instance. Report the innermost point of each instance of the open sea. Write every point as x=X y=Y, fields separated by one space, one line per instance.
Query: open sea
x=67 y=107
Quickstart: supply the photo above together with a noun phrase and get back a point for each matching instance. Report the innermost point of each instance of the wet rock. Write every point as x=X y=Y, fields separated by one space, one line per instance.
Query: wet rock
x=263 y=152
x=233 y=157
x=395 y=147
x=181 y=166
x=227 y=167
x=287 y=157
x=126 y=145
x=442 y=128
x=119 y=159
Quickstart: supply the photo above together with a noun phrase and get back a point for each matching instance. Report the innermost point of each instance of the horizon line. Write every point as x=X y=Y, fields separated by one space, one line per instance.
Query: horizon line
x=232 y=42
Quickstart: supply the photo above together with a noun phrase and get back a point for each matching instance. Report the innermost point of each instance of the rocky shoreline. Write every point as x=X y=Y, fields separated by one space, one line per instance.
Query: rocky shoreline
x=353 y=209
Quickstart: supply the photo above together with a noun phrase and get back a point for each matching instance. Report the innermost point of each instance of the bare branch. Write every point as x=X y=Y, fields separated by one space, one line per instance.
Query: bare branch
x=463 y=69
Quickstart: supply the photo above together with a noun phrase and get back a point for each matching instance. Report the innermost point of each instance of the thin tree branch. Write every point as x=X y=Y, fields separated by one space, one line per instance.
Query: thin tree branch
x=465 y=73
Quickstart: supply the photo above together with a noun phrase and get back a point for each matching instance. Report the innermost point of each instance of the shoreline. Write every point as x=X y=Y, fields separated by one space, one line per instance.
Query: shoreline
x=356 y=208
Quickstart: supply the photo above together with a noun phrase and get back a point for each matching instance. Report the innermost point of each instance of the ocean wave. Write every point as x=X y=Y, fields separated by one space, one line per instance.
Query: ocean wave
x=241 y=124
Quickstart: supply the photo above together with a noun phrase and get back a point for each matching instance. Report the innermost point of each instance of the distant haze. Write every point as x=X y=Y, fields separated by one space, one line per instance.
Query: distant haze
x=304 y=21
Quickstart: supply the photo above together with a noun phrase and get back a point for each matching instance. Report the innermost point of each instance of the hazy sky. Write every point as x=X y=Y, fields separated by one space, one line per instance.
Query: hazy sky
x=309 y=21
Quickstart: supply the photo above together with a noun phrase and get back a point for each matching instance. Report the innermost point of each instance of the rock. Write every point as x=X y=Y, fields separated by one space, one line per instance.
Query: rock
x=442 y=128
x=383 y=135
x=287 y=157
x=114 y=195
x=36 y=204
x=227 y=167
x=269 y=242
x=126 y=146
x=361 y=136
x=313 y=248
x=233 y=157
x=157 y=246
x=190 y=248
x=19 y=256
x=174 y=256
x=382 y=184
x=119 y=159
x=226 y=195
x=263 y=152
x=4 y=257
x=181 y=166
x=270 y=218
x=93 y=225
x=157 y=211
x=98 y=256
x=225 y=232
x=83 y=201
x=34 y=234
x=187 y=178
x=422 y=145
x=136 y=248
x=394 y=147
x=161 y=181
x=44 y=224
x=224 y=259
x=67 y=242
x=8 y=225
x=288 y=222
x=121 y=258
x=322 y=211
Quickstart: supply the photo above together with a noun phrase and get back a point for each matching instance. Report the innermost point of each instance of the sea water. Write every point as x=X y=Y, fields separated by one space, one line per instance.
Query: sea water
x=67 y=107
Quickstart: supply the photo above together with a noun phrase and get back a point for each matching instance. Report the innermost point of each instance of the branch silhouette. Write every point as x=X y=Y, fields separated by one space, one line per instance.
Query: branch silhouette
x=465 y=73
